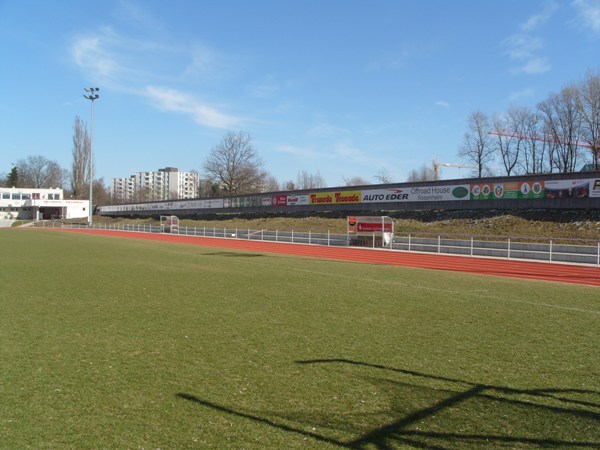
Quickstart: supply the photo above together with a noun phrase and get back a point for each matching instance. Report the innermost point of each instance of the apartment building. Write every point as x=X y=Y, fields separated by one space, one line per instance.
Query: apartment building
x=165 y=184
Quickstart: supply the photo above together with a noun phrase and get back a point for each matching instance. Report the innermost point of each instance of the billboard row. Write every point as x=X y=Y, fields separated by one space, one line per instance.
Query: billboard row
x=525 y=189
x=536 y=189
x=528 y=189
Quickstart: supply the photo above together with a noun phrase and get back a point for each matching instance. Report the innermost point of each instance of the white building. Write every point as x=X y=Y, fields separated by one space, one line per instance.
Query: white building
x=166 y=184
x=38 y=204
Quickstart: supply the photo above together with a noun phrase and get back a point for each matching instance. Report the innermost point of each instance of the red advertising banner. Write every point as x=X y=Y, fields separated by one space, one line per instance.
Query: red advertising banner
x=279 y=200
x=374 y=227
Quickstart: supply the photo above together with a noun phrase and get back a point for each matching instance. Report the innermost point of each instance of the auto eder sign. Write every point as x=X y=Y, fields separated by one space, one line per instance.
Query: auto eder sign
x=417 y=194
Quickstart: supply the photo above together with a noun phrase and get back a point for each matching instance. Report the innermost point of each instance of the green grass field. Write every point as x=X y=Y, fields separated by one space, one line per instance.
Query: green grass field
x=109 y=342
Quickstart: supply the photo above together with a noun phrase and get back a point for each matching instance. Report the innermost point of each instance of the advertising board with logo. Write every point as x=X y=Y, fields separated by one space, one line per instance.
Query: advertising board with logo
x=417 y=194
x=208 y=203
x=370 y=224
x=507 y=191
x=330 y=198
x=595 y=187
x=293 y=200
x=279 y=200
x=569 y=188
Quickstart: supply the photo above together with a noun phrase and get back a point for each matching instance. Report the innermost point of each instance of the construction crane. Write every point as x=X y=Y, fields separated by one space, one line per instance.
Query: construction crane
x=437 y=165
x=536 y=137
x=545 y=138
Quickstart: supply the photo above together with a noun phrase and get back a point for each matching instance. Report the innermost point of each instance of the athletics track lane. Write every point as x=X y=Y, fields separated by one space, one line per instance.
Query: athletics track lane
x=564 y=273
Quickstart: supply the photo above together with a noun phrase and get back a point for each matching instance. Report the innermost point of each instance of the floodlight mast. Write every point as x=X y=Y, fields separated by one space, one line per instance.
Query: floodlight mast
x=91 y=94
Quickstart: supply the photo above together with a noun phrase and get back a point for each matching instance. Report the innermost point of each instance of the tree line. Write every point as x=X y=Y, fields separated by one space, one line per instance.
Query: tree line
x=234 y=167
x=39 y=172
x=562 y=134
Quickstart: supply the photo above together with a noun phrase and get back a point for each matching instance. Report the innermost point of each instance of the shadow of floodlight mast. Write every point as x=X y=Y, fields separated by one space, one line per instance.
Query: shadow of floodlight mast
x=397 y=430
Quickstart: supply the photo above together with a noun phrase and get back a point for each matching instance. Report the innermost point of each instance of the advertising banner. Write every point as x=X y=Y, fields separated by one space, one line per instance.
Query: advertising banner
x=297 y=200
x=568 y=188
x=329 y=198
x=279 y=200
x=417 y=194
x=595 y=187
x=509 y=190
x=210 y=203
x=370 y=224
x=373 y=227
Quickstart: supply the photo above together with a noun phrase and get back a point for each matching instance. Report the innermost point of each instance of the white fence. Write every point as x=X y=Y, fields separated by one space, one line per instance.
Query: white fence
x=576 y=251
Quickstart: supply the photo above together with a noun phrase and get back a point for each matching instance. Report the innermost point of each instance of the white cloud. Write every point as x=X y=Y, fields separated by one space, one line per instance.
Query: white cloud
x=90 y=54
x=268 y=88
x=298 y=151
x=442 y=104
x=172 y=100
x=534 y=66
x=347 y=152
x=326 y=129
x=205 y=62
x=588 y=13
x=525 y=49
x=134 y=15
x=541 y=18
x=139 y=62
x=519 y=95
x=522 y=46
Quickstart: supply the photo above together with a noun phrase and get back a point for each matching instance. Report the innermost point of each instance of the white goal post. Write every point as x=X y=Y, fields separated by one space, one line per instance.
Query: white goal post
x=169 y=224
x=370 y=231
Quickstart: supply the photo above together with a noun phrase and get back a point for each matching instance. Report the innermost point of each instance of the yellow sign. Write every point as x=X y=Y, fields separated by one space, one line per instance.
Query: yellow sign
x=329 y=198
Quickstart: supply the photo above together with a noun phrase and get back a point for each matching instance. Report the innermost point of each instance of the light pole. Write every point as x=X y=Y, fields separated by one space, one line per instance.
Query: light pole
x=91 y=94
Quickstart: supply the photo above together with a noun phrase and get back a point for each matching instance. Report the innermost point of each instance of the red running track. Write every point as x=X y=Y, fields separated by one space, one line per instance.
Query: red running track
x=564 y=273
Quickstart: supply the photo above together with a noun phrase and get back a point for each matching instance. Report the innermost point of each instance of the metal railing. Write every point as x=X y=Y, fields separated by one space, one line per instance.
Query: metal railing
x=560 y=250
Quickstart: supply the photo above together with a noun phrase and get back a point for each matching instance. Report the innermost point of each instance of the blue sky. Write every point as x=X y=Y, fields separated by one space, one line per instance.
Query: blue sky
x=343 y=87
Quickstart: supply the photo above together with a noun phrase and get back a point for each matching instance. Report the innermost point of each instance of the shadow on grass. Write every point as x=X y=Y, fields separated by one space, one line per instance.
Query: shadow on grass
x=407 y=428
x=240 y=254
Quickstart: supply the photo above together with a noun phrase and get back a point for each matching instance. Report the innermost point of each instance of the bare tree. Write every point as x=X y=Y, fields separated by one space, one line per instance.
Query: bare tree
x=503 y=143
x=383 y=176
x=355 y=181
x=477 y=148
x=562 y=118
x=80 y=168
x=235 y=165
x=589 y=106
x=141 y=194
x=288 y=185
x=101 y=194
x=532 y=157
x=423 y=173
x=207 y=188
x=270 y=184
x=307 y=180
x=40 y=172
